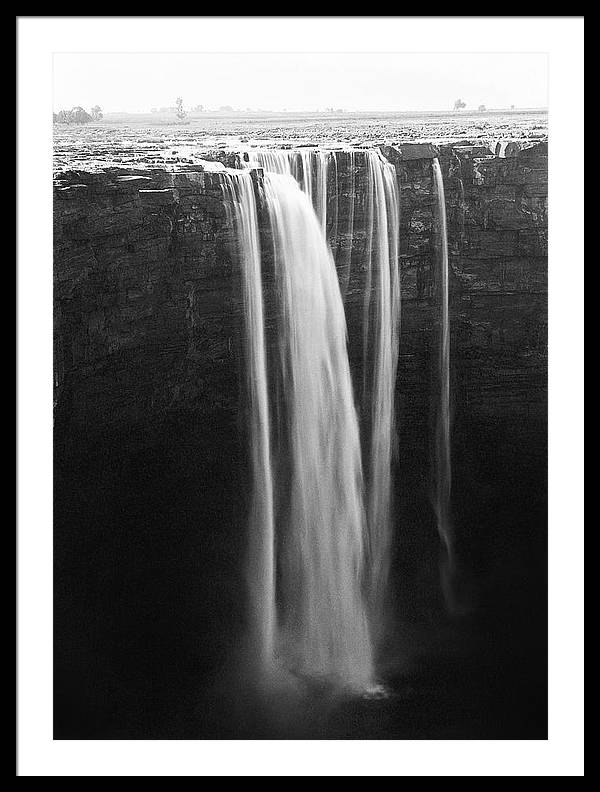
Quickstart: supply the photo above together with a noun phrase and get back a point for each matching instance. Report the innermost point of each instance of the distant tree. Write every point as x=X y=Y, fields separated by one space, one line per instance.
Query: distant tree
x=181 y=113
x=75 y=116
x=481 y=108
x=226 y=109
x=80 y=116
x=198 y=109
x=459 y=104
x=96 y=113
x=63 y=117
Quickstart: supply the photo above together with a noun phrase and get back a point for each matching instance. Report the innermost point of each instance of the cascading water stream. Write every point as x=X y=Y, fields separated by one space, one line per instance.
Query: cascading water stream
x=442 y=462
x=240 y=203
x=380 y=329
x=322 y=528
x=345 y=259
x=381 y=313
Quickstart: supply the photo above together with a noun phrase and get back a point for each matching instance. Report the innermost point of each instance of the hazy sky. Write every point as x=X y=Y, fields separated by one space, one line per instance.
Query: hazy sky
x=138 y=82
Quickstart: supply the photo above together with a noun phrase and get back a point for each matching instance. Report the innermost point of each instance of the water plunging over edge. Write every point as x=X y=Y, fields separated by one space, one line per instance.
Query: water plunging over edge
x=340 y=553
x=381 y=316
x=443 y=464
x=321 y=530
x=310 y=168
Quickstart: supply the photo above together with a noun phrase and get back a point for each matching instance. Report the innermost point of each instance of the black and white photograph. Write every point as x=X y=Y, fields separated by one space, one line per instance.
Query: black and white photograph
x=287 y=308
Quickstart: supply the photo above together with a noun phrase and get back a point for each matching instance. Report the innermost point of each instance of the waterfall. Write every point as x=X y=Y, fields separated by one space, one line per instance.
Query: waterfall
x=307 y=522
x=380 y=329
x=381 y=312
x=321 y=535
x=322 y=521
x=345 y=260
x=442 y=461
x=238 y=192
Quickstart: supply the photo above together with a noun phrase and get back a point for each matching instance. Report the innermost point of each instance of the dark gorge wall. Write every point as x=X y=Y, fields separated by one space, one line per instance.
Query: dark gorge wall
x=150 y=460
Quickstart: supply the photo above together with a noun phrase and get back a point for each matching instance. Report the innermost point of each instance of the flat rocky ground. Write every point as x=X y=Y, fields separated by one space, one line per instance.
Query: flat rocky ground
x=153 y=140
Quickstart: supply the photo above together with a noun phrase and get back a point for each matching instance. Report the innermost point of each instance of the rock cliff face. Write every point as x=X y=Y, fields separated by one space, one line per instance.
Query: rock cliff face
x=149 y=449
x=145 y=304
x=147 y=298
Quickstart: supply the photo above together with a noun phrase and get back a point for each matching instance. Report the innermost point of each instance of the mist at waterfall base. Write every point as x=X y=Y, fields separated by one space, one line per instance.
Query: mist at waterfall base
x=304 y=577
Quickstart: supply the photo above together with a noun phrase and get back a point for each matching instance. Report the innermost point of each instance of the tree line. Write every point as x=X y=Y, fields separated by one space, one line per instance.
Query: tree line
x=77 y=115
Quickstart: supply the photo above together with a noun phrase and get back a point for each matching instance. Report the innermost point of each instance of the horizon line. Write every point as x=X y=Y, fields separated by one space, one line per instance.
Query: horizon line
x=338 y=111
